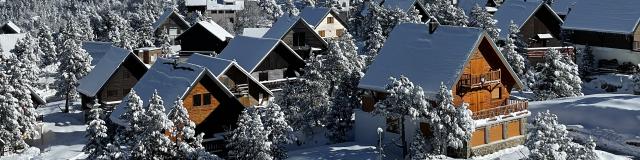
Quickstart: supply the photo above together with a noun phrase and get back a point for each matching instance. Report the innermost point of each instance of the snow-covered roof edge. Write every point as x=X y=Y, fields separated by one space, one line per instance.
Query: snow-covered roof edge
x=213 y=28
x=167 y=15
x=90 y=90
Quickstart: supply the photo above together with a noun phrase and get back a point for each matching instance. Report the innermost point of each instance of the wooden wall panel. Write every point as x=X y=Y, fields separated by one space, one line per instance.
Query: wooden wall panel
x=477 y=138
x=199 y=113
x=513 y=128
x=119 y=85
x=495 y=133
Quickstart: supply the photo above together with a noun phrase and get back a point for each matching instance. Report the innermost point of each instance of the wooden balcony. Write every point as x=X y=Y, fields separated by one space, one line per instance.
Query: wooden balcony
x=473 y=81
x=511 y=106
x=275 y=85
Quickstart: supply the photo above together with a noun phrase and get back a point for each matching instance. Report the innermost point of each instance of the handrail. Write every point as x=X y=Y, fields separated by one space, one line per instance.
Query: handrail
x=510 y=107
x=469 y=80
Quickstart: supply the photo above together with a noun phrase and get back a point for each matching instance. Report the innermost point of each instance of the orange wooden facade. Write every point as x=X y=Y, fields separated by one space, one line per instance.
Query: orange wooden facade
x=199 y=113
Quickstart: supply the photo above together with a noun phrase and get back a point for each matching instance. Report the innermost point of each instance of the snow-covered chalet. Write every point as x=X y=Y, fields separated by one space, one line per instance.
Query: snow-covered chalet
x=205 y=37
x=170 y=23
x=298 y=34
x=464 y=59
x=325 y=21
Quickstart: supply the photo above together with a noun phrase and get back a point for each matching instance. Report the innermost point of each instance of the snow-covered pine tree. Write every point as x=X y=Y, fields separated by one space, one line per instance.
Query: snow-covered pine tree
x=28 y=56
x=133 y=118
x=152 y=142
x=308 y=99
x=514 y=33
x=636 y=84
x=97 y=138
x=47 y=45
x=345 y=65
x=21 y=72
x=547 y=139
x=10 y=128
x=481 y=18
x=271 y=9
x=194 y=17
x=374 y=41
x=165 y=44
x=290 y=8
x=419 y=147
x=452 y=128
x=119 y=31
x=75 y=63
x=280 y=133
x=446 y=13
x=558 y=77
x=405 y=100
x=187 y=144
x=251 y=16
x=309 y=3
x=249 y=140
x=357 y=16
x=515 y=59
x=587 y=61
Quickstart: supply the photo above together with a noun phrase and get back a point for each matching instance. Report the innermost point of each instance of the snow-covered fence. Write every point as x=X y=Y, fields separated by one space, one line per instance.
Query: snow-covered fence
x=510 y=107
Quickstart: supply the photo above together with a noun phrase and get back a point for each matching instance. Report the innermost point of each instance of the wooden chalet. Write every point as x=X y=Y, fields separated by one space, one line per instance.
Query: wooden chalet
x=149 y=54
x=210 y=105
x=248 y=90
x=539 y=27
x=205 y=37
x=170 y=23
x=111 y=78
x=611 y=28
x=297 y=34
x=406 y=6
x=325 y=21
x=10 y=28
x=474 y=70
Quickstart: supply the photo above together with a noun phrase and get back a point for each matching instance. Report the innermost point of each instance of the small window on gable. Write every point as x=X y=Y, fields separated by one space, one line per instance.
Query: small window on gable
x=330 y=20
x=496 y=94
x=197 y=100
x=322 y=33
x=339 y=32
x=206 y=99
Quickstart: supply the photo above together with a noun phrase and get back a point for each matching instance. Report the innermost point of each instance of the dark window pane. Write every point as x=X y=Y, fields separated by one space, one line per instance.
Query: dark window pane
x=206 y=99
x=197 y=100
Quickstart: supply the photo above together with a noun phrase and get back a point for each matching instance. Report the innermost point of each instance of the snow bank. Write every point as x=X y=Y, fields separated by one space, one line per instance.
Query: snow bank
x=337 y=151
x=622 y=83
x=29 y=153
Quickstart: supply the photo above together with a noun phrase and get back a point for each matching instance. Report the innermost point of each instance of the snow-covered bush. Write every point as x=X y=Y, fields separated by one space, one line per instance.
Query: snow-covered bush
x=152 y=142
x=280 y=133
x=249 y=140
x=557 y=77
x=548 y=139
x=451 y=127
x=97 y=138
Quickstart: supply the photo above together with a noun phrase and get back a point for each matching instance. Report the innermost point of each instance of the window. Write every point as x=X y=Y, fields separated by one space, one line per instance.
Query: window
x=330 y=20
x=228 y=3
x=206 y=99
x=263 y=76
x=339 y=32
x=213 y=12
x=495 y=93
x=298 y=39
x=228 y=11
x=322 y=34
x=231 y=20
x=197 y=100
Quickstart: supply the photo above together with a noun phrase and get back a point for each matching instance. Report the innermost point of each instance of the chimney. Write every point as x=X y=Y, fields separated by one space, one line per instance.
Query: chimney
x=433 y=25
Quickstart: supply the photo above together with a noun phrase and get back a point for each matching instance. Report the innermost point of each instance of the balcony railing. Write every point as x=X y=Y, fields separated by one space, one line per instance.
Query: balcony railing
x=473 y=81
x=275 y=85
x=511 y=106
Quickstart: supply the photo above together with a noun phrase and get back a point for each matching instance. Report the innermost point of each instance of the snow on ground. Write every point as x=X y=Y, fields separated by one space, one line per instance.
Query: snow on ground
x=63 y=133
x=612 y=119
x=617 y=83
x=348 y=150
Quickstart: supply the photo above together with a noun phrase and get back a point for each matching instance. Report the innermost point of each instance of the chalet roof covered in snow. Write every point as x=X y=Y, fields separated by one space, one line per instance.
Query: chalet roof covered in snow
x=247 y=57
x=254 y=32
x=282 y=26
x=171 y=79
x=11 y=28
x=315 y=15
x=219 y=66
x=610 y=16
x=8 y=42
x=562 y=6
x=167 y=15
x=100 y=74
x=518 y=12
x=213 y=28
x=467 y=5
x=404 y=5
x=96 y=50
x=426 y=59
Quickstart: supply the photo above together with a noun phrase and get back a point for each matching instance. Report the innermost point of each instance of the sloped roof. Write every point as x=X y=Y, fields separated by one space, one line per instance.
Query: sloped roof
x=610 y=16
x=100 y=74
x=8 y=42
x=219 y=66
x=167 y=15
x=249 y=52
x=467 y=5
x=282 y=26
x=562 y=6
x=426 y=59
x=254 y=32
x=404 y=5
x=195 y=2
x=315 y=15
x=213 y=28
x=13 y=27
x=171 y=79
x=519 y=12
x=96 y=50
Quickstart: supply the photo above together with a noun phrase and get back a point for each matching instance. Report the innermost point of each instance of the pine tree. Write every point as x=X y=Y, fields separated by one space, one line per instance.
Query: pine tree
x=446 y=13
x=481 y=18
x=194 y=17
x=47 y=45
x=249 y=140
x=514 y=33
x=74 y=64
x=452 y=128
x=22 y=72
x=404 y=100
x=515 y=59
x=11 y=131
x=133 y=118
x=271 y=9
x=558 y=77
x=250 y=17
x=587 y=65
x=187 y=144
x=419 y=147
x=290 y=8
x=165 y=44
x=28 y=56
x=280 y=133
x=97 y=138
x=152 y=142
x=310 y=3
x=547 y=139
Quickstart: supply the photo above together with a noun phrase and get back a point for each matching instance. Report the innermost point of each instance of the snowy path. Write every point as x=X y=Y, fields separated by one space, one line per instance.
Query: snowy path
x=64 y=133
x=336 y=151
x=612 y=119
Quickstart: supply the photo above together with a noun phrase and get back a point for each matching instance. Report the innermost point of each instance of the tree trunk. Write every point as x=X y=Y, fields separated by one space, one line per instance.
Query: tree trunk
x=66 y=103
x=404 y=140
